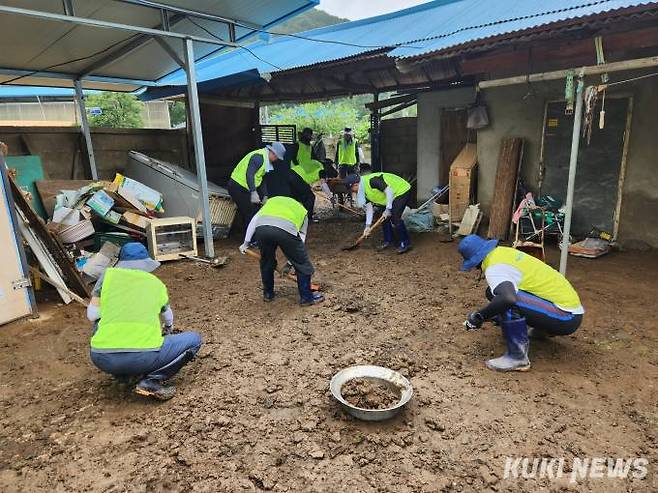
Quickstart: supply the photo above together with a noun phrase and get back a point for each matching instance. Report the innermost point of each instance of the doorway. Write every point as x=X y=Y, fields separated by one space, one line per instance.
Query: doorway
x=601 y=162
x=454 y=136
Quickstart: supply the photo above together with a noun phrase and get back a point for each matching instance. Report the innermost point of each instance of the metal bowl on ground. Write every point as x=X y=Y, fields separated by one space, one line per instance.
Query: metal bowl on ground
x=385 y=375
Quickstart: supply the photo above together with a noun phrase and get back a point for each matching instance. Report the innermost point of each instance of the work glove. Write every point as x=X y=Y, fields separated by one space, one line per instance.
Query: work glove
x=244 y=247
x=387 y=213
x=474 y=321
x=255 y=199
x=168 y=329
x=366 y=231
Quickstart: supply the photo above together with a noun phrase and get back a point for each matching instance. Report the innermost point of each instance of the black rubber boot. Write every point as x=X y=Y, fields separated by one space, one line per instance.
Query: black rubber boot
x=268 y=285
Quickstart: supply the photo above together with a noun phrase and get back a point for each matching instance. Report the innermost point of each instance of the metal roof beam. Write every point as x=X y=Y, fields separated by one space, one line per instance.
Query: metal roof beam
x=50 y=16
x=192 y=13
x=131 y=46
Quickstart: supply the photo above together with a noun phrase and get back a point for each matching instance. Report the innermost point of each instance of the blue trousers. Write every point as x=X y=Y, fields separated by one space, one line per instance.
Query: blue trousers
x=145 y=363
x=544 y=315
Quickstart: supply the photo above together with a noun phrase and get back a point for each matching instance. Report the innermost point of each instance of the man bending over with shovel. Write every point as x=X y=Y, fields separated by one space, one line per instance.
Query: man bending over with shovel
x=128 y=340
x=282 y=222
x=522 y=290
x=388 y=192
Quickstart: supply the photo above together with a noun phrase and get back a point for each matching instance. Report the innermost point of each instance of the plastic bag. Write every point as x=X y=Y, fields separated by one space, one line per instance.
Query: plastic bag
x=477 y=117
x=419 y=221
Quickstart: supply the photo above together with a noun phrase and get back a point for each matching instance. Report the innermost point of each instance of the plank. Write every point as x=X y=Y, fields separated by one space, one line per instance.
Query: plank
x=504 y=187
x=72 y=278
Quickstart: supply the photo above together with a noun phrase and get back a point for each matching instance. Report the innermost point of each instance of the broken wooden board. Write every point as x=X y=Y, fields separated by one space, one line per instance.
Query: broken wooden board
x=505 y=187
x=72 y=278
x=470 y=221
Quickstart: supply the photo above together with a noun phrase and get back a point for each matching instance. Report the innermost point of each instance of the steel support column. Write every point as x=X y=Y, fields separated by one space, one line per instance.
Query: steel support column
x=84 y=128
x=199 y=156
x=375 y=133
x=573 y=163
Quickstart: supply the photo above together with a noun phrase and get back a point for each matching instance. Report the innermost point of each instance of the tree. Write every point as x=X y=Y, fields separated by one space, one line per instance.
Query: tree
x=328 y=117
x=177 y=113
x=119 y=110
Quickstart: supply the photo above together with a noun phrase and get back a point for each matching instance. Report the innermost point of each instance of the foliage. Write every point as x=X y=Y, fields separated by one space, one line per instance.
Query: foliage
x=311 y=19
x=325 y=117
x=120 y=110
x=177 y=113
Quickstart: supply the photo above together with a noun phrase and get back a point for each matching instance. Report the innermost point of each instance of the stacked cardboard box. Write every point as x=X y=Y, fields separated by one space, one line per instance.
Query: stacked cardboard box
x=463 y=172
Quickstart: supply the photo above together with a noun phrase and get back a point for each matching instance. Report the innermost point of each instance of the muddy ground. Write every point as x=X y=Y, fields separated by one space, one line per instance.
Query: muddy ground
x=254 y=413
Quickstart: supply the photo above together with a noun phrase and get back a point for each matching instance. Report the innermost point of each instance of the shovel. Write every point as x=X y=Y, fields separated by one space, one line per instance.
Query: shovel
x=346 y=207
x=214 y=262
x=357 y=243
x=289 y=275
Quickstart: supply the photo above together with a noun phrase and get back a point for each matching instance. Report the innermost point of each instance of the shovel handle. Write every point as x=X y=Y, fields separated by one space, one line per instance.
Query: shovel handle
x=347 y=208
x=256 y=255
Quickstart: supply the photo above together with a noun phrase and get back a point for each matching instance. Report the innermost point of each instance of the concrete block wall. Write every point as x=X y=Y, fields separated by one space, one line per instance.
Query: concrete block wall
x=63 y=156
x=399 y=146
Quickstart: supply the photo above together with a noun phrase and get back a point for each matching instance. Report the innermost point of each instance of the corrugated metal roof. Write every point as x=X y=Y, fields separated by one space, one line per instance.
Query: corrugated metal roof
x=469 y=21
x=416 y=31
x=45 y=49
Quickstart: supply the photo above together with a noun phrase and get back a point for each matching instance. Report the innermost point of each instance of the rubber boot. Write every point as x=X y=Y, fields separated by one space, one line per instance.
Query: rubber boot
x=387 y=227
x=306 y=296
x=403 y=235
x=268 y=285
x=516 y=356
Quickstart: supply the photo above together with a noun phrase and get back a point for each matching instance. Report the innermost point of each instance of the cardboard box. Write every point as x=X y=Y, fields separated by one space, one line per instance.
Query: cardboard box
x=135 y=220
x=100 y=203
x=152 y=199
x=463 y=171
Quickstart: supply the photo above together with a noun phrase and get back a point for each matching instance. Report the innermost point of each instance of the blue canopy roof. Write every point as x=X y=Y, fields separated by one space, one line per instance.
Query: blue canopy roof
x=429 y=27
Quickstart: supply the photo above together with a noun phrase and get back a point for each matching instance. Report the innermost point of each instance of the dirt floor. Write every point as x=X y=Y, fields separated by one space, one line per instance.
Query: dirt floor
x=254 y=412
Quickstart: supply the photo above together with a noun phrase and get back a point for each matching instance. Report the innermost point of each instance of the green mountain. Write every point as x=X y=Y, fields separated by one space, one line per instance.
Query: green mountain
x=311 y=19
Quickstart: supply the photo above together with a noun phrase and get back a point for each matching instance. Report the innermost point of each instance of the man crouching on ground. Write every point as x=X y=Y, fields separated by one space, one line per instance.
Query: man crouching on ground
x=128 y=340
x=522 y=289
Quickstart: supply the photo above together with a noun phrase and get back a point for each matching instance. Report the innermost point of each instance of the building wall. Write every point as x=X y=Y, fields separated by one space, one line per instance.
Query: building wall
x=519 y=111
x=60 y=148
x=430 y=106
x=399 y=146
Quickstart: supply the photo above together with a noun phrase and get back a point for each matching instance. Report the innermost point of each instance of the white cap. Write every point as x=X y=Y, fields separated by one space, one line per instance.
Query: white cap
x=278 y=149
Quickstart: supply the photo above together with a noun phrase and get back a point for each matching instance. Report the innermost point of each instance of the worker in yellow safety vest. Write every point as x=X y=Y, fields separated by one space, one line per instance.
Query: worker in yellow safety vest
x=347 y=154
x=282 y=222
x=388 y=192
x=127 y=306
x=247 y=178
x=523 y=291
x=306 y=166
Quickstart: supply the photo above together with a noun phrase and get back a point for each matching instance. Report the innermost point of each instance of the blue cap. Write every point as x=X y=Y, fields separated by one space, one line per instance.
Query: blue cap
x=278 y=149
x=474 y=250
x=351 y=179
x=134 y=255
x=133 y=251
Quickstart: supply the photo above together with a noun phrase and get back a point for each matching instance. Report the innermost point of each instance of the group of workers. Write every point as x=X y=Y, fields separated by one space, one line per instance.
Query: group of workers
x=272 y=189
